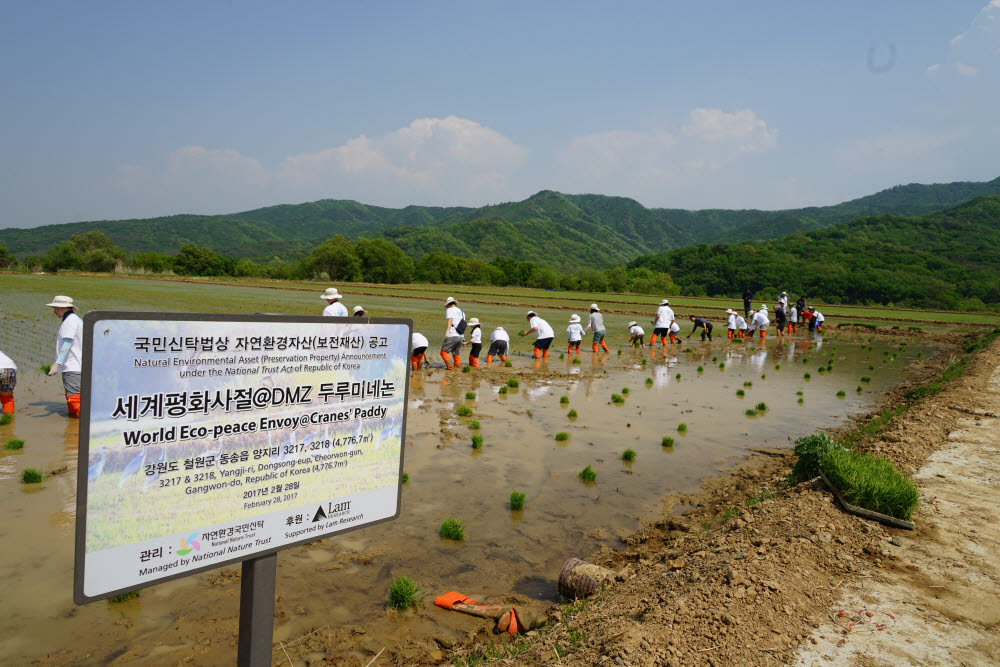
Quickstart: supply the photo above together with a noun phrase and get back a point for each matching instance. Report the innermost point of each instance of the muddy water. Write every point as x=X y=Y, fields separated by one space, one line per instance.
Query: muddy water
x=342 y=580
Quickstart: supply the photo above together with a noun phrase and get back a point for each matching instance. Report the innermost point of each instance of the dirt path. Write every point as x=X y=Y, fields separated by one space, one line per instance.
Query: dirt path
x=943 y=588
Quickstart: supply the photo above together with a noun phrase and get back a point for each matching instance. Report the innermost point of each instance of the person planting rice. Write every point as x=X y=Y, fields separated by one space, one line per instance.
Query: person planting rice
x=499 y=342
x=703 y=324
x=543 y=334
x=808 y=320
x=741 y=326
x=476 y=340
x=453 y=334
x=575 y=332
x=69 y=351
x=335 y=307
x=817 y=319
x=675 y=332
x=636 y=334
x=761 y=321
x=793 y=320
x=780 y=319
x=418 y=346
x=359 y=311
x=731 y=323
x=596 y=324
x=663 y=318
x=751 y=325
x=783 y=301
x=8 y=380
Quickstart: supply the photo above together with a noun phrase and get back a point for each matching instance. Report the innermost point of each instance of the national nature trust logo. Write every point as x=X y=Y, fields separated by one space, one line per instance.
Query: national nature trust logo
x=189 y=544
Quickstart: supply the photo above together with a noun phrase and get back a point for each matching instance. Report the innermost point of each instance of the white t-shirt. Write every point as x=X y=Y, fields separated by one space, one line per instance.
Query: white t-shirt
x=793 y=315
x=455 y=315
x=783 y=300
x=335 y=309
x=740 y=322
x=71 y=327
x=819 y=317
x=6 y=362
x=418 y=340
x=575 y=332
x=731 y=321
x=637 y=331
x=476 y=337
x=499 y=334
x=675 y=328
x=664 y=316
x=760 y=319
x=542 y=328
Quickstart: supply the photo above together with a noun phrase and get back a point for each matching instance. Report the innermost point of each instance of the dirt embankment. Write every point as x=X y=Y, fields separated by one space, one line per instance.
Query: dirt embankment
x=754 y=573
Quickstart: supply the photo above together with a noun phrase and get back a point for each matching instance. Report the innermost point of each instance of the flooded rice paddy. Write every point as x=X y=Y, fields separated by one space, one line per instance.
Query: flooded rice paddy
x=342 y=580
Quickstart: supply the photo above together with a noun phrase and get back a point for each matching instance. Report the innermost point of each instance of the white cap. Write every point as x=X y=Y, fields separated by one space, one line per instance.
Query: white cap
x=593 y=306
x=665 y=302
x=574 y=318
x=474 y=322
x=358 y=309
x=331 y=293
x=450 y=300
x=62 y=302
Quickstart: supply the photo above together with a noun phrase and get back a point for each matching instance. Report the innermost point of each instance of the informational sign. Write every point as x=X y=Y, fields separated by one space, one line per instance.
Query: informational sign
x=210 y=439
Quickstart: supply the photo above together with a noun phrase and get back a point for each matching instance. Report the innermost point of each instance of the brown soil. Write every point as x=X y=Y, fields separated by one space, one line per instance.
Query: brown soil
x=757 y=584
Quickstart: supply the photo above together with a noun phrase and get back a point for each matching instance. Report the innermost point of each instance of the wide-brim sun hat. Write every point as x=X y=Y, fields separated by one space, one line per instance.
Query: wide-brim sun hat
x=61 y=301
x=358 y=309
x=784 y=294
x=450 y=300
x=574 y=318
x=632 y=324
x=593 y=306
x=331 y=293
x=665 y=302
x=531 y=313
x=474 y=322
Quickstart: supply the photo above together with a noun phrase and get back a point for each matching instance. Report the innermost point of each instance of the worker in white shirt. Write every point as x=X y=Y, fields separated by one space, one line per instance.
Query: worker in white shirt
x=476 y=340
x=69 y=351
x=418 y=346
x=661 y=324
x=761 y=321
x=499 y=343
x=783 y=300
x=819 y=318
x=543 y=334
x=596 y=324
x=335 y=307
x=793 y=319
x=731 y=323
x=453 y=338
x=575 y=332
x=636 y=334
x=741 y=326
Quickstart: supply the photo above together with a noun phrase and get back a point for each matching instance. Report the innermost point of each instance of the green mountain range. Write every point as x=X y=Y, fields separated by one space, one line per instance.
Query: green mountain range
x=564 y=232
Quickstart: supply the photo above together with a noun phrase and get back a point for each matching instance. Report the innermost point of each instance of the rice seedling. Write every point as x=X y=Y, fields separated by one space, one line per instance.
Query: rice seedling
x=870 y=482
x=406 y=478
x=841 y=393
x=750 y=412
x=762 y=406
x=617 y=398
x=643 y=362
x=763 y=377
x=452 y=529
x=561 y=355
x=865 y=378
x=748 y=384
x=6 y=419
x=619 y=353
x=576 y=361
x=628 y=455
x=805 y=360
x=403 y=593
x=562 y=436
x=115 y=599
x=624 y=391
x=740 y=393
x=687 y=349
x=700 y=369
x=798 y=393
x=919 y=354
x=777 y=367
x=859 y=389
x=587 y=474
x=466 y=369
x=470 y=395
x=714 y=359
x=871 y=368
x=463 y=411
x=667 y=441
x=821 y=370
x=45 y=368
x=14 y=444
x=677 y=377
x=681 y=428
x=503 y=389
x=474 y=425
x=509 y=364
x=649 y=381
x=516 y=500
x=31 y=476
x=571 y=414
x=807 y=376
x=477 y=442
x=801 y=401
x=564 y=400
x=512 y=383
x=722 y=365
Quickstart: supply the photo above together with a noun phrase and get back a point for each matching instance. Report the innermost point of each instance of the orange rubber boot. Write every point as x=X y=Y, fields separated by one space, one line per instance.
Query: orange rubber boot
x=537 y=353
x=545 y=354
x=503 y=357
x=73 y=404
x=673 y=338
x=414 y=363
x=595 y=348
x=7 y=400
x=489 y=361
x=604 y=346
x=652 y=339
x=457 y=358
x=763 y=335
x=474 y=362
x=447 y=360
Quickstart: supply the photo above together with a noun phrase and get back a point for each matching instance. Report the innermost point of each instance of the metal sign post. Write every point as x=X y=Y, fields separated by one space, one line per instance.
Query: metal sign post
x=210 y=440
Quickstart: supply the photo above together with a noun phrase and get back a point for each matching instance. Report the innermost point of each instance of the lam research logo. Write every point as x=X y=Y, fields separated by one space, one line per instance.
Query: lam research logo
x=189 y=544
x=331 y=510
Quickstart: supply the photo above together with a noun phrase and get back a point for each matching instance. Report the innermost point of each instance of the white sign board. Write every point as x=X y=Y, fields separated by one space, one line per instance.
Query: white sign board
x=209 y=439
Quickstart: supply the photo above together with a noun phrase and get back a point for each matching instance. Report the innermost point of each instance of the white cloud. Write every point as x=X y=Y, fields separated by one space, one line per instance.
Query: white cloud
x=933 y=69
x=896 y=152
x=742 y=128
x=434 y=160
x=976 y=49
x=966 y=70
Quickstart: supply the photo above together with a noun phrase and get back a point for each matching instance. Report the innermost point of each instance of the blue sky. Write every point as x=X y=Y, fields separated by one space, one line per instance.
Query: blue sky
x=128 y=109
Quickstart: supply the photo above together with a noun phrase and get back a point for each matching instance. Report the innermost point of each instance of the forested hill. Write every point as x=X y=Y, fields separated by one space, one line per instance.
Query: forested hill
x=947 y=259
x=552 y=229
